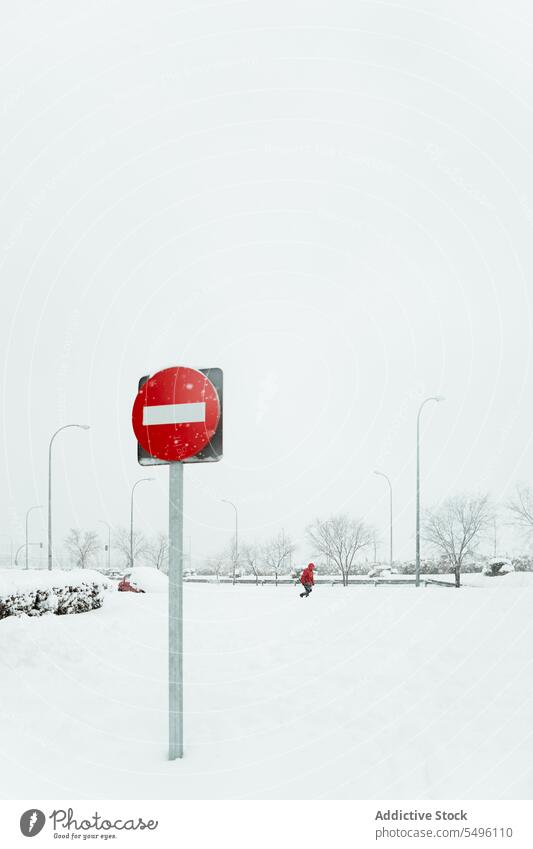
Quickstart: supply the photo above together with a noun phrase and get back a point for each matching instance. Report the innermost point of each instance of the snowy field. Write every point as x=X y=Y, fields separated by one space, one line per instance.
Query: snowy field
x=363 y=692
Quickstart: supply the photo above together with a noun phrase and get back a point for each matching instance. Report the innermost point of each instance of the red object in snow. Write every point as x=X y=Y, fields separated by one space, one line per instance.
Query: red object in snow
x=307 y=576
x=126 y=587
x=176 y=413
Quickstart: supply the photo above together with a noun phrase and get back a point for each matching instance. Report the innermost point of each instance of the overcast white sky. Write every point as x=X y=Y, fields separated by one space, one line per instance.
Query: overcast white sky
x=332 y=201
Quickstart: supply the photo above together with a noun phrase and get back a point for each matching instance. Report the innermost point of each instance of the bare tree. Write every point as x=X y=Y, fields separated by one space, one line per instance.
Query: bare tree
x=277 y=552
x=122 y=543
x=156 y=552
x=252 y=556
x=82 y=545
x=339 y=539
x=216 y=565
x=454 y=528
x=521 y=506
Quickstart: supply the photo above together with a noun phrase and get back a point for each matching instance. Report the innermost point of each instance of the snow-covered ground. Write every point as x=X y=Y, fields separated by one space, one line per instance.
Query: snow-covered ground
x=516 y=580
x=359 y=692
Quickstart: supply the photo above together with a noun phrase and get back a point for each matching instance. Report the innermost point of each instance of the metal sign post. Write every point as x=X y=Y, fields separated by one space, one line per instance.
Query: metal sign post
x=175 y=611
x=177 y=419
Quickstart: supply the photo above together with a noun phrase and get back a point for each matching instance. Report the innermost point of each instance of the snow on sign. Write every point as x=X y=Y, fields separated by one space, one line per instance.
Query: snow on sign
x=177 y=415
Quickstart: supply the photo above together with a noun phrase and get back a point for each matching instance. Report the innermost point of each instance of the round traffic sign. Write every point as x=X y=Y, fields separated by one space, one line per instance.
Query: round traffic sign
x=176 y=413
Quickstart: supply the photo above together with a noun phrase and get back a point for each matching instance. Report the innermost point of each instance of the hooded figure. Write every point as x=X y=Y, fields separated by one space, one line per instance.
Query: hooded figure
x=307 y=578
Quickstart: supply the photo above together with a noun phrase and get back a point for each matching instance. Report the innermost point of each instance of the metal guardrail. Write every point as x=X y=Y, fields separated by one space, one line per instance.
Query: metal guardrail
x=438 y=583
x=403 y=582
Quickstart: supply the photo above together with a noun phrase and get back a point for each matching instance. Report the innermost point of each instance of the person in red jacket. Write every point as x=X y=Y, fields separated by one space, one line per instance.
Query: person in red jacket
x=307 y=578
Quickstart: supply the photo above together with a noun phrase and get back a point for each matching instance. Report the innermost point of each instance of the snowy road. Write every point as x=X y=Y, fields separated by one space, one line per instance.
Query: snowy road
x=362 y=692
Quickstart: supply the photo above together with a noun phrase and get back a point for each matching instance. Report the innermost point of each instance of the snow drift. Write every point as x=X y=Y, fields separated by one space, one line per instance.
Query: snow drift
x=148 y=579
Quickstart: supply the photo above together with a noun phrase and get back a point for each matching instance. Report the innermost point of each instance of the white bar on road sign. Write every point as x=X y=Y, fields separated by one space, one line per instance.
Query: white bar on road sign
x=165 y=414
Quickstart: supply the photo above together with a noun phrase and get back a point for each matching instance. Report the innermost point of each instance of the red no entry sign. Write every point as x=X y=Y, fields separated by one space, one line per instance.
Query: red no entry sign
x=176 y=413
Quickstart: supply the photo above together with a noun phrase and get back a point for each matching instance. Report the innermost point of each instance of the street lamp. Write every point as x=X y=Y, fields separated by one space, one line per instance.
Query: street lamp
x=103 y=522
x=82 y=427
x=136 y=484
x=236 y=553
x=25 y=545
x=422 y=405
x=383 y=475
x=35 y=507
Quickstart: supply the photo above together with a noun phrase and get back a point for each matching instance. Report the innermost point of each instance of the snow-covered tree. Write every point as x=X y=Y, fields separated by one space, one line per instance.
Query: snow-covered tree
x=122 y=543
x=454 y=528
x=82 y=546
x=251 y=555
x=156 y=552
x=521 y=506
x=216 y=565
x=276 y=554
x=339 y=539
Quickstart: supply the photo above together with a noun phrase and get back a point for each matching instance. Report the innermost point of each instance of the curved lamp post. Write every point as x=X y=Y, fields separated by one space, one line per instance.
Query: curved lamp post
x=135 y=485
x=236 y=554
x=383 y=475
x=25 y=545
x=422 y=405
x=82 y=427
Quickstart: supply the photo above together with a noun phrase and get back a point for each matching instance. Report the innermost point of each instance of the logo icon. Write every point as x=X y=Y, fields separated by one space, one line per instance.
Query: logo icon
x=32 y=822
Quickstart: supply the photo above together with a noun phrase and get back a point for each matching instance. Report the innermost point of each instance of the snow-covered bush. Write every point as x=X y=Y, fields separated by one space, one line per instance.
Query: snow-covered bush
x=498 y=566
x=33 y=592
x=523 y=563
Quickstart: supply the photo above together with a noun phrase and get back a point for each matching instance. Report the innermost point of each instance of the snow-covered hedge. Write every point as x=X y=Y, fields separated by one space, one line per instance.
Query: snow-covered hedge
x=34 y=592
